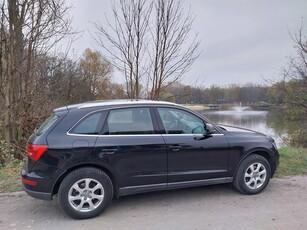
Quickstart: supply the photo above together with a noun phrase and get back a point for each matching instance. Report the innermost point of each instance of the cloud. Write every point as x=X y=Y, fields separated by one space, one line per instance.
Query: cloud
x=241 y=41
x=244 y=41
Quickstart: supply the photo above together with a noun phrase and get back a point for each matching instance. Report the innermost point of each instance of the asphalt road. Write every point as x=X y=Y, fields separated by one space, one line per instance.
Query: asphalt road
x=283 y=205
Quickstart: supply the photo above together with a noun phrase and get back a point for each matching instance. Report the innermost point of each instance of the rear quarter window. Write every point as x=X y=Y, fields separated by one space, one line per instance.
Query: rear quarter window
x=47 y=124
x=90 y=125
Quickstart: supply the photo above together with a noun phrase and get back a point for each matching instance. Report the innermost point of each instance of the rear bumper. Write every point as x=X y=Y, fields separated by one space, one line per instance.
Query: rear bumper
x=39 y=190
x=38 y=195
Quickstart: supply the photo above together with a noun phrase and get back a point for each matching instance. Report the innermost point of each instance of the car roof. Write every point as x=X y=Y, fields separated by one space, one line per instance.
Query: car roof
x=112 y=103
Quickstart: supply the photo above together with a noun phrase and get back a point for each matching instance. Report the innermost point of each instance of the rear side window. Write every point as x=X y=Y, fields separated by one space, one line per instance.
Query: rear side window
x=47 y=124
x=130 y=121
x=90 y=125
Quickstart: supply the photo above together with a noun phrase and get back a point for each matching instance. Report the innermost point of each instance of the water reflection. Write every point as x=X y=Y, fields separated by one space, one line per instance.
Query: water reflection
x=260 y=121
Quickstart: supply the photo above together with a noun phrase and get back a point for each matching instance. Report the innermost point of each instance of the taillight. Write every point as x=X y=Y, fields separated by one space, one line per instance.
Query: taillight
x=36 y=151
x=29 y=182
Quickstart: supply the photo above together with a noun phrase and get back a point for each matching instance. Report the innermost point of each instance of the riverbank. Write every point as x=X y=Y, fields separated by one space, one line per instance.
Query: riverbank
x=196 y=107
x=293 y=161
x=231 y=106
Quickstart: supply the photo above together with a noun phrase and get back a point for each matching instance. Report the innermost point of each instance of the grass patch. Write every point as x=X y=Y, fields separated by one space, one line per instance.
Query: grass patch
x=292 y=161
x=10 y=179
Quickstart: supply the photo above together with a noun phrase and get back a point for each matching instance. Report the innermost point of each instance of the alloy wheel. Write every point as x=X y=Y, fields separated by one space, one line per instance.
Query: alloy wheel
x=86 y=195
x=255 y=175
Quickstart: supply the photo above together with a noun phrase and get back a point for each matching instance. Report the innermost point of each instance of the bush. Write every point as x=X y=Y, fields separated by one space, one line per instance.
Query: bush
x=6 y=153
x=299 y=138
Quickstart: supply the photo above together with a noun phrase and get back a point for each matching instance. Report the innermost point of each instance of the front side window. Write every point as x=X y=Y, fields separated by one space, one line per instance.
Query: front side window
x=90 y=125
x=130 y=121
x=178 y=121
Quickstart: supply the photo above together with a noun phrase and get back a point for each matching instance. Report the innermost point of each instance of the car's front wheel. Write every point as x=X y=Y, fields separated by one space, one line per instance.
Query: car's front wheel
x=85 y=193
x=253 y=175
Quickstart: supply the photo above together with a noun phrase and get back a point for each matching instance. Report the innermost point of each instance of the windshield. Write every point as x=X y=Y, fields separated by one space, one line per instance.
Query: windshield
x=46 y=125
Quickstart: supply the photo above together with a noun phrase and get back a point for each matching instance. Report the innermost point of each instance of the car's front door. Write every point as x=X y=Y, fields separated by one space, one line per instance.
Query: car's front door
x=130 y=145
x=192 y=156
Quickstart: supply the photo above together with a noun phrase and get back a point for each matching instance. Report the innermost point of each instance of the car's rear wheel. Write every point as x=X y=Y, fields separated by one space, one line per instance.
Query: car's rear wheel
x=85 y=193
x=253 y=175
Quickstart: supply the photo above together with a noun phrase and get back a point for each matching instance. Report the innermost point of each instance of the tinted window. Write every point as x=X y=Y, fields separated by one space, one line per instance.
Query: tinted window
x=130 y=121
x=178 y=121
x=47 y=124
x=91 y=125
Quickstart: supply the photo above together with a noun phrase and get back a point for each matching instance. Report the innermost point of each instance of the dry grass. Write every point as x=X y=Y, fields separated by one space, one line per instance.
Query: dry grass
x=10 y=179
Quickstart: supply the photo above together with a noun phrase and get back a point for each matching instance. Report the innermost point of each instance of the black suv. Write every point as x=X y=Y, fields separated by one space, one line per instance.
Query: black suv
x=87 y=153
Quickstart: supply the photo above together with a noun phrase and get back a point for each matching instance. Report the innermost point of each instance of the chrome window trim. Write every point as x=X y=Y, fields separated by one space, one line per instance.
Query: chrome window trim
x=124 y=102
x=86 y=115
x=81 y=135
x=101 y=110
x=141 y=135
x=193 y=135
x=141 y=105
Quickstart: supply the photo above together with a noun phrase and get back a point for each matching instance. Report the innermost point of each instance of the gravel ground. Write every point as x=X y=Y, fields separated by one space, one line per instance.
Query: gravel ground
x=283 y=205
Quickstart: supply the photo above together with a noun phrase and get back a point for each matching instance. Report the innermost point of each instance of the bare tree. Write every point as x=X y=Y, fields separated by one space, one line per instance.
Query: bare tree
x=149 y=39
x=28 y=29
x=290 y=91
x=172 y=54
x=289 y=94
x=125 y=41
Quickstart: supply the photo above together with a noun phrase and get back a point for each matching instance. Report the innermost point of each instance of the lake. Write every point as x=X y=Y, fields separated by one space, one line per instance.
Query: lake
x=266 y=122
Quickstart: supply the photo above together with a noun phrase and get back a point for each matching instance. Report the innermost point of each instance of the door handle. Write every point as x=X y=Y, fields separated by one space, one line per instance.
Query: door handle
x=175 y=148
x=109 y=151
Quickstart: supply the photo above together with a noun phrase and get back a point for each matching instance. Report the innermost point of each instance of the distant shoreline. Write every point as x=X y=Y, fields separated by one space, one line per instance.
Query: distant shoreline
x=195 y=107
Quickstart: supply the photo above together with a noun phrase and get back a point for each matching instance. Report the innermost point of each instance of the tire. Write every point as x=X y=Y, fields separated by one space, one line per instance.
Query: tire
x=253 y=175
x=85 y=193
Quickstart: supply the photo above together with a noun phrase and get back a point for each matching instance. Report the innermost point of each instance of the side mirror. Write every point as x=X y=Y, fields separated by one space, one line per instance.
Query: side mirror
x=209 y=130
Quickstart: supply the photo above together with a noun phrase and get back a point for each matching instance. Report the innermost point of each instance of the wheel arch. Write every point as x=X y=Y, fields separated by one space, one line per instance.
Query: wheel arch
x=260 y=152
x=68 y=171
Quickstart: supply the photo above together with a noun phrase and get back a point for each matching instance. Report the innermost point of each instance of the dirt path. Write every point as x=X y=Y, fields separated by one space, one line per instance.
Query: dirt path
x=283 y=205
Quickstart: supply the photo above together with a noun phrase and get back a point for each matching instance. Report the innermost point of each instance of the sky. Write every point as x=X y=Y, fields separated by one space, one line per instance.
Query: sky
x=241 y=41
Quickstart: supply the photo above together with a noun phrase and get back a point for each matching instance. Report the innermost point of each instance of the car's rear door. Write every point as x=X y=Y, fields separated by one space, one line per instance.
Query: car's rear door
x=130 y=146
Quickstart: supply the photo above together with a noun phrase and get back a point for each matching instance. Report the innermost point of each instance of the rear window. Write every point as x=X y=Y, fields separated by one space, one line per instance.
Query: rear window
x=47 y=124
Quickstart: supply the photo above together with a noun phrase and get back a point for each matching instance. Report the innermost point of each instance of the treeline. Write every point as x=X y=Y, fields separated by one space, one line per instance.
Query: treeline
x=58 y=80
x=29 y=31
x=247 y=93
x=61 y=81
